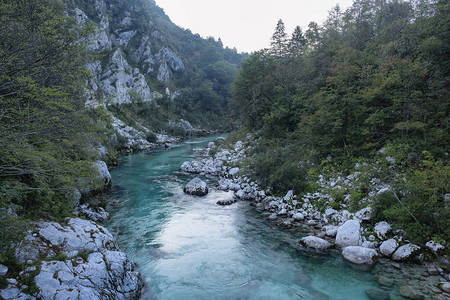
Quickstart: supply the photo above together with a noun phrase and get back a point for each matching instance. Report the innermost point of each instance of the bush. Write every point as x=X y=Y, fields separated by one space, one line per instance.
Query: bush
x=151 y=137
x=280 y=168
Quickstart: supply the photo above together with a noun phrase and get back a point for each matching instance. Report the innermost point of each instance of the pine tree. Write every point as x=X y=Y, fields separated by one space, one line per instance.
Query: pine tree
x=279 y=40
x=297 y=43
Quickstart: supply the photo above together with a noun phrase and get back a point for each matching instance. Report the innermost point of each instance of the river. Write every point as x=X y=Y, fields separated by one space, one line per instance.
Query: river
x=189 y=247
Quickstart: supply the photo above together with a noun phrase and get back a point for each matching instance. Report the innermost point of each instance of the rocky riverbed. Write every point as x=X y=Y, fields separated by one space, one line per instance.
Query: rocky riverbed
x=352 y=234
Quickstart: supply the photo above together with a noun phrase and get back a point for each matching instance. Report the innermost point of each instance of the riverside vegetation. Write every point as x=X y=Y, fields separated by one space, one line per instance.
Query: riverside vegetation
x=81 y=82
x=356 y=109
x=366 y=93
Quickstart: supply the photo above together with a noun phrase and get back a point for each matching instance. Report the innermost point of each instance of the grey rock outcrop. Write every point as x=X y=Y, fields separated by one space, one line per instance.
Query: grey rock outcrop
x=104 y=175
x=196 y=187
x=360 y=255
x=123 y=84
x=349 y=234
x=95 y=268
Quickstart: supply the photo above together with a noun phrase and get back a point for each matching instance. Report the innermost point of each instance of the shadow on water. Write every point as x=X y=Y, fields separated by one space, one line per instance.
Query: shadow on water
x=189 y=247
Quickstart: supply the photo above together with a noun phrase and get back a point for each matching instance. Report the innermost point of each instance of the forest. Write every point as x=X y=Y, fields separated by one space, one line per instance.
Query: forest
x=372 y=80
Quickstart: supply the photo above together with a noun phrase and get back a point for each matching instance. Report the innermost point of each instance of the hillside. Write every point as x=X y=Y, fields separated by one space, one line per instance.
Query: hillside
x=85 y=80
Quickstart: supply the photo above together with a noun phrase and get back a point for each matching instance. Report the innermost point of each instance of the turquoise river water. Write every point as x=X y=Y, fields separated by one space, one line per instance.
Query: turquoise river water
x=189 y=247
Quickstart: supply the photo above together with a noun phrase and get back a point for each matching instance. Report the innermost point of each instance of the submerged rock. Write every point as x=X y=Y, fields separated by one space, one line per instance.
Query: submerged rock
x=315 y=243
x=377 y=294
x=196 y=187
x=360 y=255
x=409 y=292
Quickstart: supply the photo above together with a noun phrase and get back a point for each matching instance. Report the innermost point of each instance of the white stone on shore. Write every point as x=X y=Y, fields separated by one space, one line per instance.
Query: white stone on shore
x=360 y=255
x=349 y=234
x=382 y=229
x=364 y=214
x=3 y=270
x=233 y=171
x=331 y=230
x=298 y=217
x=388 y=247
x=434 y=246
x=405 y=252
x=106 y=270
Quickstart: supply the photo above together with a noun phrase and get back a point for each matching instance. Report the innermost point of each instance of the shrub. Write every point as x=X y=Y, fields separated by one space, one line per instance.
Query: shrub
x=151 y=137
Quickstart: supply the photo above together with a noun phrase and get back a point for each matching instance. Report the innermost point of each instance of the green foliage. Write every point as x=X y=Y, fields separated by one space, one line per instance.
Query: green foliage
x=151 y=137
x=45 y=133
x=279 y=167
x=372 y=77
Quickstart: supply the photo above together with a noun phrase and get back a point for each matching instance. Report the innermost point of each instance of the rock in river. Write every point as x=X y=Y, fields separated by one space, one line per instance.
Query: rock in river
x=196 y=187
x=316 y=243
x=360 y=255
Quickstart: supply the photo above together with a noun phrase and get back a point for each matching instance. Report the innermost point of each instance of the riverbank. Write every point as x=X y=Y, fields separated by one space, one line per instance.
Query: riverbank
x=361 y=241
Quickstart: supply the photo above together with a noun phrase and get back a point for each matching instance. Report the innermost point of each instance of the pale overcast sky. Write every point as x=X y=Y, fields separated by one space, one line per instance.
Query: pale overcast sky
x=246 y=24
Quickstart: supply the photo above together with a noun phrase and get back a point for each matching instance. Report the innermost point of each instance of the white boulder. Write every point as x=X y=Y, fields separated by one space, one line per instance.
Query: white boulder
x=434 y=246
x=388 y=247
x=364 y=214
x=360 y=255
x=3 y=270
x=405 y=252
x=298 y=217
x=196 y=187
x=331 y=230
x=349 y=234
x=315 y=243
x=382 y=229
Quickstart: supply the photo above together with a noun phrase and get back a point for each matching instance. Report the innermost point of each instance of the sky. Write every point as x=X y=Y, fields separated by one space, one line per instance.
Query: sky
x=246 y=25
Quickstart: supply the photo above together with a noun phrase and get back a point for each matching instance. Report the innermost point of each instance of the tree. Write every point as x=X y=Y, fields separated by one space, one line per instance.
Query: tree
x=297 y=43
x=45 y=133
x=312 y=34
x=279 y=40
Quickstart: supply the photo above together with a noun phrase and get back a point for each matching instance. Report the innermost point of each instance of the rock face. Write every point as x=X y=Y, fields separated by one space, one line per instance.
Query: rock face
x=349 y=234
x=196 y=187
x=103 y=273
x=94 y=267
x=360 y=255
x=315 y=243
x=123 y=84
x=405 y=252
x=104 y=175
